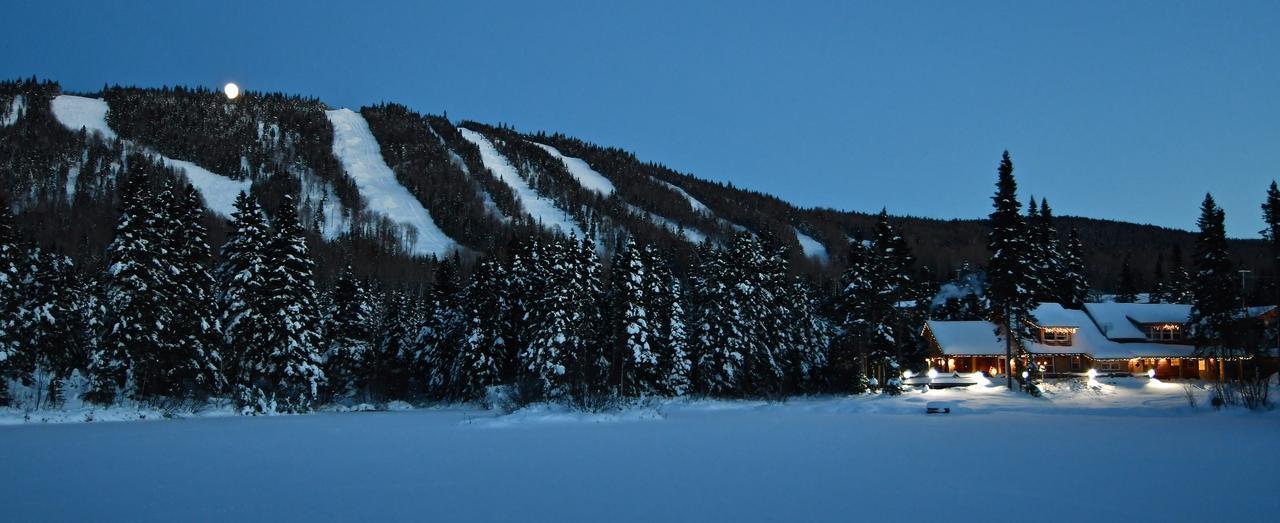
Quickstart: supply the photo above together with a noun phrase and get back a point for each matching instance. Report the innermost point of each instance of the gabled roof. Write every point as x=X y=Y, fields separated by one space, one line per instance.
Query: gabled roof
x=1055 y=315
x=966 y=338
x=1120 y=321
x=1088 y=339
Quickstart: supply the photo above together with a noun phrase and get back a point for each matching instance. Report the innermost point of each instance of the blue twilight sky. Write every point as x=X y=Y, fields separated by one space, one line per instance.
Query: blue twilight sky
x=1125 y=110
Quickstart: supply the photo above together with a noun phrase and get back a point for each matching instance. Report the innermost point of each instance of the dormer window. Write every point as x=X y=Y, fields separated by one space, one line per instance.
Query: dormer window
x=1164 y=332
x=1056 y=335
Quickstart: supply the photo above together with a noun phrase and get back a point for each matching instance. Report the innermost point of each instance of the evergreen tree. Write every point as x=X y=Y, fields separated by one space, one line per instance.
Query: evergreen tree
x=483 y=353
x=1011 y=291
x=634 y=328
x=1158 y=287
x=10 y=304
x=242 y=292
x=552 y=356
x=1177 y=287
x=854 y=334
x=197 y=361
x=286 y=376
x=1216 y=300
x=1073 y=290
x=1271 y=216
x=134 y=351
x=1127 y=291
x=1052 y=261
x=346 y=365
x=717 y=340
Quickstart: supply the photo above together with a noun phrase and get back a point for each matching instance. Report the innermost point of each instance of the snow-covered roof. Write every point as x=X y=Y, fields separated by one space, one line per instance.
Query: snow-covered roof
x=966 y=338
x=1088 y=339
x=1055 y=315
x=1120 y=321
x=978 y=338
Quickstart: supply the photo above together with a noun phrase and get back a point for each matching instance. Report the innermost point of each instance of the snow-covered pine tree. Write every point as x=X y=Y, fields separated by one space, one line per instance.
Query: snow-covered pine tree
x=53 y=327
x=847 y=363
x=1011 y=291
x=1216 y=299
x=483 y=353
x=593 y=370
x=392 y=362
x=196 y=360
x=10 y=305
x=134 y=349
x=1073 y=289
x=634 y=329
x=1271 y=217
x=664 y=301
x=440 y=334
x=545 y=361
x=1053 y=263
x=756 y=275
x=716 y=341
x=287 y=376
x=1039 y=279
x=347 y=338
x=810 y=338
x=242 y=293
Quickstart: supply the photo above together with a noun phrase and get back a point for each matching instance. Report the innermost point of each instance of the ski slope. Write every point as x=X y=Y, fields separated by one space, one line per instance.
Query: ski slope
x=697 y=205
x=867 y=458
x=361 y=158
x=77 y=112
x=692 y=235
x=581 y=171
x=542 y=209
x=811 y=246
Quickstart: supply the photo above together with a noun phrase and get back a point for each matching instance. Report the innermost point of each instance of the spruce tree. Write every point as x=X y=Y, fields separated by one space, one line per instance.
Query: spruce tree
x=1073 y=290
x=1010 y=292
x=551 y=357
x=716 y=339
x=1216 y=301
x=197 y=361
x=848 y=360
x=1271 y=216
x=242 y=293
x=483 y=353
x=10 y=305
x=347 y=337
x=134 y=351
x=1158 y=287
x=633 y=328
x=1178 y=283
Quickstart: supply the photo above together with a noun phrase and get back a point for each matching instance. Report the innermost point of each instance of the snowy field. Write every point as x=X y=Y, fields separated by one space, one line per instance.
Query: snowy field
x=1130 y=450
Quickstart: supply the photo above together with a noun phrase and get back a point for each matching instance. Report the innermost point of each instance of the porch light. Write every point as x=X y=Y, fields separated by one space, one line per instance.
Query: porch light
x=1093 y=373
x=907 y=374
x=1025 y=374
x=933 y=373
x=1151 y=373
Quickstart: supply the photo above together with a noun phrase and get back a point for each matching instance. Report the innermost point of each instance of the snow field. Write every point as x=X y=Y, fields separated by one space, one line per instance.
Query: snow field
x=542 y=209
x=828 y=459
x=356 y=148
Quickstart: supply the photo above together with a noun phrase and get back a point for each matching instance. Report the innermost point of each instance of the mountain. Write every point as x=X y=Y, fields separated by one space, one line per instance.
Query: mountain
x=388 y=188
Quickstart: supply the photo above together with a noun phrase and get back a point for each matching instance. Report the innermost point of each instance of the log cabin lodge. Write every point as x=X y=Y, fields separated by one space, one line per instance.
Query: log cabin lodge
x=1112 y=338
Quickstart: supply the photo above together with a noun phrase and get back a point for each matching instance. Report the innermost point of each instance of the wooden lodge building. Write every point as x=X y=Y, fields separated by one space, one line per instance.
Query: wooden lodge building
x=1111 y=338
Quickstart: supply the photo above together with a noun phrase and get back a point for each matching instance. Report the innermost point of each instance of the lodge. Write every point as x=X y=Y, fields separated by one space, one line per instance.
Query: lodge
x=1111 y=338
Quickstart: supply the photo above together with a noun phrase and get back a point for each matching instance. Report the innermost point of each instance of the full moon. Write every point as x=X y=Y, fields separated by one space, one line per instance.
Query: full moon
x=232 y=90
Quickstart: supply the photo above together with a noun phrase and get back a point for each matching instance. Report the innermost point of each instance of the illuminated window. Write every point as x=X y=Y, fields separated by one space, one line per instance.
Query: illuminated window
x=1056 y=336
x=1164 y=332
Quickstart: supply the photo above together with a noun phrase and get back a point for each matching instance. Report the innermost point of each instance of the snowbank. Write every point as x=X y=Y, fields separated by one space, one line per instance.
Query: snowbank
x=542 y=209
x=361 y=157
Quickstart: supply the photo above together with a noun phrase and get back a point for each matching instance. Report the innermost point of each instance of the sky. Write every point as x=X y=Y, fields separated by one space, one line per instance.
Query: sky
x=1119 y=110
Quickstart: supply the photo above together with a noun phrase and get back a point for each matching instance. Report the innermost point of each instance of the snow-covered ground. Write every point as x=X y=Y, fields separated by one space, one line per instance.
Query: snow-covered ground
x=1125 y=450
x=542 y=209
x=581 y=171
x=76 y=112
x=356 y=148
x=812 y=247
x=692 y=235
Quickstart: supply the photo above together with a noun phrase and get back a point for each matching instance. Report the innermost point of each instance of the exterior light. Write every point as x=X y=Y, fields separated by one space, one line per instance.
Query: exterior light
x=933 y=373
x=1025 y=374
x=907 y=374
x=1093 y=373
x=1151 y=373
